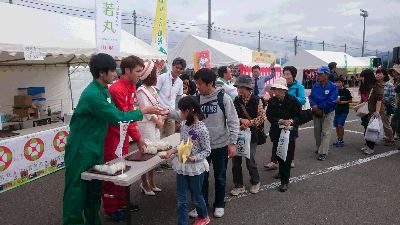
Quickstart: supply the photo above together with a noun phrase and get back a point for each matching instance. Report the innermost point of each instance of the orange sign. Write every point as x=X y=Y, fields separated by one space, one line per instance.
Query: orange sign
x=201 y=60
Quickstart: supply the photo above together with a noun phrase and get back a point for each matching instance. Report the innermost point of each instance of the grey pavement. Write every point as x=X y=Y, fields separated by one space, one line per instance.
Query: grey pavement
x=367 y=193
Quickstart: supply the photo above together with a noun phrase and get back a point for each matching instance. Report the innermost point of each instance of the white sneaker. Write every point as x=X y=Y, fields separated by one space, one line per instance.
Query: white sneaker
x=219 y=212
x=193 y=213
x=364 y=148
x=238 y=191
x=369 y=151
x=255 y=188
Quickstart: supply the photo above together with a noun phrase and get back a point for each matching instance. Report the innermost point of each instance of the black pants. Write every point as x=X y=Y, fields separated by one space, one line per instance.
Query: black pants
x=285 y=166
x=370 y=144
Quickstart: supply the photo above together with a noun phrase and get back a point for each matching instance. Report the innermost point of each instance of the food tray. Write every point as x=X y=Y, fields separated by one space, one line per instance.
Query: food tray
x=138 y=156
x=92 y=170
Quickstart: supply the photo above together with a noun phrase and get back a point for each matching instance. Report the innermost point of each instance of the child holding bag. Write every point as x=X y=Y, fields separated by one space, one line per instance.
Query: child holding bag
x=191 y=169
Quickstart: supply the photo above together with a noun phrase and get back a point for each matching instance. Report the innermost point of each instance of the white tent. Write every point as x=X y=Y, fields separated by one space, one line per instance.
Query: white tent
x=221 y=53
x=63 y=40
x=312 y=59
x=57 y=34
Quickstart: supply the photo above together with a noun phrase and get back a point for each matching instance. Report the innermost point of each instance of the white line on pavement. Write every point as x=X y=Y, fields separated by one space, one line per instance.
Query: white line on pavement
x=353 y=131
x=312 y=127
x=317 y=173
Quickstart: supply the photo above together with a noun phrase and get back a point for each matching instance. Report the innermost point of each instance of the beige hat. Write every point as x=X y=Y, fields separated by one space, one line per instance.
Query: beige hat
x=280 y=83
x=148 y=67
x=396 y=67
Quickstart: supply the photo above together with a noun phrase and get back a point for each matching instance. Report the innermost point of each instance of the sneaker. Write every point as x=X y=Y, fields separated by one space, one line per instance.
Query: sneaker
x=202 y=221
x=255 y=188
x=118 y=216
x=340 y=145
x=193 y=213
x=292 y=164
x=369 y=151
x=316 y=152
x=134 y=207
x=271 y=166
x=364 y=148
x=237 y=191
x=322 y=157
x=283 y=187
x=219 y=212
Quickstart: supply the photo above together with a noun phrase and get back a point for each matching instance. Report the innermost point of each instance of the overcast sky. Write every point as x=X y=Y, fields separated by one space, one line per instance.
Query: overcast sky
x=335 y=22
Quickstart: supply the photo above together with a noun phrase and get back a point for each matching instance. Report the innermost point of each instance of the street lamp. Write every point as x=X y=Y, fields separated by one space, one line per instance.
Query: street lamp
x=364 y=13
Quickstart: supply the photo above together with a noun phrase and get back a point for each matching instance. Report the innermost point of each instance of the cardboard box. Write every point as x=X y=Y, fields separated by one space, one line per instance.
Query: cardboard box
x=24 y=112
x=21 y=101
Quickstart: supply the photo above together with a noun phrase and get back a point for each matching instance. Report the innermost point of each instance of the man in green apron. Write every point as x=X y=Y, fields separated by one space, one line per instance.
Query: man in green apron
x=85 y=145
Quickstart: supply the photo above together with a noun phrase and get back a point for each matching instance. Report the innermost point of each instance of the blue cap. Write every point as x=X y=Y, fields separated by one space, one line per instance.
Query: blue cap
x=323 y=69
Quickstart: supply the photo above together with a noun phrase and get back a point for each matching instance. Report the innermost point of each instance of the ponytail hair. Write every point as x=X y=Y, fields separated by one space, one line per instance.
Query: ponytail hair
x=192 y=104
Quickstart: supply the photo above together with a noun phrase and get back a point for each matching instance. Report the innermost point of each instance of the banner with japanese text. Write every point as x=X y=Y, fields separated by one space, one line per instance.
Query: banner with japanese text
x=26 y=158
x=201 y=60
x=263 y=57
x=108 y=27
x=159 y=37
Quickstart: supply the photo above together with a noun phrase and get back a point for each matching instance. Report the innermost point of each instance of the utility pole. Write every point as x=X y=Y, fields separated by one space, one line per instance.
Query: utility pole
x=134 y=22
x=209 y=19
x=345 y=48
x=323 y=45
x=388 y=60
x=376 y=52
x=259 y=41
x=295 y=45
x=364 y=14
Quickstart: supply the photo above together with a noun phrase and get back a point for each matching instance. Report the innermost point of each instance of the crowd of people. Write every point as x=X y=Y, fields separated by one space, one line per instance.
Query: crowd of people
x=212 y=110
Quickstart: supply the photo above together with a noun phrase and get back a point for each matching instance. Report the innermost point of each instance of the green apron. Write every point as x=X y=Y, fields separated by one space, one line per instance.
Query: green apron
x=85 y=148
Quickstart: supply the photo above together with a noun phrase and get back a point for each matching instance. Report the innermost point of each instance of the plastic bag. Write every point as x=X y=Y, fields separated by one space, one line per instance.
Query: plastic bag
x=374 y=132
x=243 y=143
x=283 y=144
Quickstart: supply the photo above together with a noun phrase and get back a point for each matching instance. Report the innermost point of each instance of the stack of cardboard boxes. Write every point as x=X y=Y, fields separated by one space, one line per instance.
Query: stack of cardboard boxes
x=26 y=102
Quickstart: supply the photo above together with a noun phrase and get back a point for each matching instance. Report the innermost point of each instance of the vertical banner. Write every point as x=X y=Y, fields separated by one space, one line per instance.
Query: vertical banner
x=201 y=60
x=26 y=158
x=108 y=26
x=159 y=37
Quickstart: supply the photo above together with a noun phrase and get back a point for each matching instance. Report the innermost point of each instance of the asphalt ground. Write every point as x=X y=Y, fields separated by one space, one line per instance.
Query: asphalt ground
x=347 y=188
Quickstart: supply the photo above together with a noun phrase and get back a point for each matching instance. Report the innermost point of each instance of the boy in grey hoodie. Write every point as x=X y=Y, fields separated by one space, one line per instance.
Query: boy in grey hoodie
x=223 y=125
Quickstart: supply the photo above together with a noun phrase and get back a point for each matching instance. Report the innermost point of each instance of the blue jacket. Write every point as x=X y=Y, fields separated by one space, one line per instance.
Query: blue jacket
x=324 y=97
x=297 y=90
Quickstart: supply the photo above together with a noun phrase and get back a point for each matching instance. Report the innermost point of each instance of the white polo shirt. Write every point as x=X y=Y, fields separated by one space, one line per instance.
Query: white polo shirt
x=167 y=90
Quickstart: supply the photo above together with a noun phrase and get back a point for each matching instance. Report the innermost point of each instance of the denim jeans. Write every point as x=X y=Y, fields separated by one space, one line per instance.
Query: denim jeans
x=193 y=184
x=219 y=160
x=251 y=167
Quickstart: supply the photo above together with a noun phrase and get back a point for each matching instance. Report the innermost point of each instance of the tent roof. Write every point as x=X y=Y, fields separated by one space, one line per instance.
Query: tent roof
x=314 y=59
x=221 y=53
x=56 y=34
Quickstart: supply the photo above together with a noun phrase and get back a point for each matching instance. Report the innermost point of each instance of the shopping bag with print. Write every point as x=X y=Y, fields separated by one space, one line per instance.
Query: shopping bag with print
x=243 y=143
x=283 y=144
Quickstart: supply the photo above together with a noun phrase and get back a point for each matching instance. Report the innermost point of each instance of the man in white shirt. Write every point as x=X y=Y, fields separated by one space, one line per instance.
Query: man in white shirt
x=225 y=81
x=170 y=90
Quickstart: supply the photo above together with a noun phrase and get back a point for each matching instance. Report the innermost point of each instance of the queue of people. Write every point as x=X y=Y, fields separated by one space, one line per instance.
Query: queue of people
x=212 y=112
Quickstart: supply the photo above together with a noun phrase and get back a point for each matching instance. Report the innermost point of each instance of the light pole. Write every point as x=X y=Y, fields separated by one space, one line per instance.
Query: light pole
x=364 y=14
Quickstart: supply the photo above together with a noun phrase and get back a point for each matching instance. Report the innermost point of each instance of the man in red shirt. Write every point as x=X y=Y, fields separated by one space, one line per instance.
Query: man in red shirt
x=123 y=93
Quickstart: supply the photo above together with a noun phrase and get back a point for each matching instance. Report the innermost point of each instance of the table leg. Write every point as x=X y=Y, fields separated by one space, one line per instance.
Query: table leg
x=128 y=200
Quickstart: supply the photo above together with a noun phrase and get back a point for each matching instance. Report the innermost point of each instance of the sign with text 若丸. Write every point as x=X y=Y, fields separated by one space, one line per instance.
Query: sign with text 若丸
x=108 y=26
x=159 y=37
